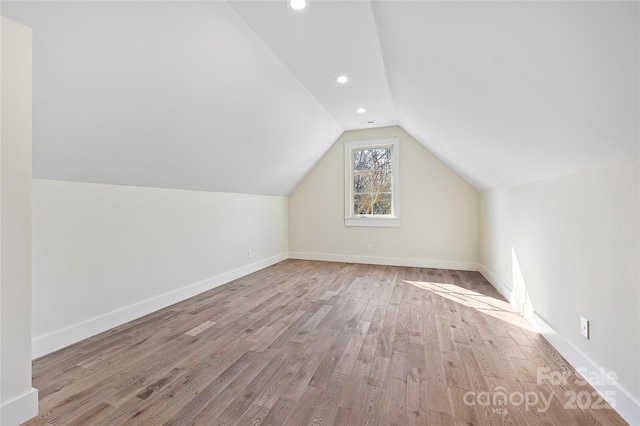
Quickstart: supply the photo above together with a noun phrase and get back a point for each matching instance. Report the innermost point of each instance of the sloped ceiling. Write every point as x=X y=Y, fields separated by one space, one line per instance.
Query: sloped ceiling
x=241 y=96
x=325 y=41
x=503 y=92
x=513 y=92
x=166 y=94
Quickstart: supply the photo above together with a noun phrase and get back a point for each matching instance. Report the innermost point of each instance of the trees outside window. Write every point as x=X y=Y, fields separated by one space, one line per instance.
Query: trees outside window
x=371 y=183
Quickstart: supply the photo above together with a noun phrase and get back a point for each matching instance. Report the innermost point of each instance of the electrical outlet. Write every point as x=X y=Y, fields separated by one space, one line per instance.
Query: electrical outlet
x=249 y=254
x=584 y=327
x=369 y=247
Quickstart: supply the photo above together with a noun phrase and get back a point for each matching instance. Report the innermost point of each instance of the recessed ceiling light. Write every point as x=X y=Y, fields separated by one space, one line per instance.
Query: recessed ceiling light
x=297 y=4
x=361 y=110
x=342 y=79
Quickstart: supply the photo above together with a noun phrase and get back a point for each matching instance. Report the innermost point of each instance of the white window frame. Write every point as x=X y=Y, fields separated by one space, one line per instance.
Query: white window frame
x=392 y=220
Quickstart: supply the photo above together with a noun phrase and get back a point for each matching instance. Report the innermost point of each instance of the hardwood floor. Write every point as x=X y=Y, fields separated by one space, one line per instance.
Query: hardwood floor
x=316 y=343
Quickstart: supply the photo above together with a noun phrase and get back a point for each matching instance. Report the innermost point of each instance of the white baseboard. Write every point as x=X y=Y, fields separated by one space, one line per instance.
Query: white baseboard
x=392 y=261
x=59 y=339
x=19 y=409
x=499 y=285
x=626 y=405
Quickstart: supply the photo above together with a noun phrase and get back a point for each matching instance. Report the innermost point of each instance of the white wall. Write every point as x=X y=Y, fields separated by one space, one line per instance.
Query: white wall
x=18 y=400
x=571 y=245
x=439 y=223
x=105 y=254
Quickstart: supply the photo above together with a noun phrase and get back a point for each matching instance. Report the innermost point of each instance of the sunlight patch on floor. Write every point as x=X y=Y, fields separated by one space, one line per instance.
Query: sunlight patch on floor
x=487 y=305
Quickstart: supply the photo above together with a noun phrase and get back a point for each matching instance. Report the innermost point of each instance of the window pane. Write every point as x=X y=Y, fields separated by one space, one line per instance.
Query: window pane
x=386 y=163
x=382 y=204
x=362 y=204
x=363 y=182
x=381 y=181
x=381 y=157
x=362 y=159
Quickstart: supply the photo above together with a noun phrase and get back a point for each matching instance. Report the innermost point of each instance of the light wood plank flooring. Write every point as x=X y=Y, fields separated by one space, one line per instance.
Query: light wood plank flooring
x=318 y=343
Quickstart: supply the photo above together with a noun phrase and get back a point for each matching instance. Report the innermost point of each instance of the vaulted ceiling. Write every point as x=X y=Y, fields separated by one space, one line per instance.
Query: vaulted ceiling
x=241 y=96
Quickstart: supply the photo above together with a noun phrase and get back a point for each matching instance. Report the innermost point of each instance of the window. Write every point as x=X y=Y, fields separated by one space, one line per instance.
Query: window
x=372 y=183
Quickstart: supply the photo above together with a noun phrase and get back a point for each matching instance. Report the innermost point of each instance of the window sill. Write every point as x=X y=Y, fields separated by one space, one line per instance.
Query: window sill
x=386 y=222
